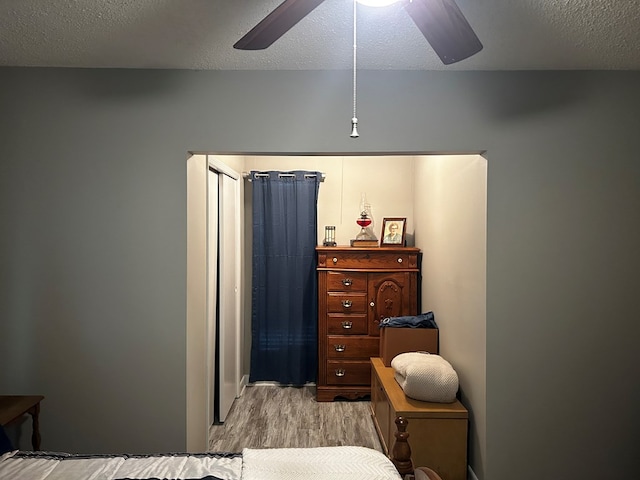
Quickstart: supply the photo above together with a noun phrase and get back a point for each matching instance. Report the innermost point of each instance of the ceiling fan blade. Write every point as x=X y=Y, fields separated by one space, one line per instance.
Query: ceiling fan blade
x=445 y=28
x=276 y=24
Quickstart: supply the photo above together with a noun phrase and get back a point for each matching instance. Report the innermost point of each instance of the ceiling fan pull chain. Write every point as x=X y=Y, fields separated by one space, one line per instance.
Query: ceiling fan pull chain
x=354 y=119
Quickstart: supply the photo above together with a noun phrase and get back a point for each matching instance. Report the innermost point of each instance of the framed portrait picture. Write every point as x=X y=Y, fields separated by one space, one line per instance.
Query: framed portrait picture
x=393 y=231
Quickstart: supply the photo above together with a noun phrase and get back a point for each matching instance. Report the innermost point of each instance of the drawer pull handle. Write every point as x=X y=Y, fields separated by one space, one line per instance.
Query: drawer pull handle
x=335 y=259
x=347 y=282
x=340 y=372
x=399 y=260
x=340 y=348
x=347 y=325
x=347 y=303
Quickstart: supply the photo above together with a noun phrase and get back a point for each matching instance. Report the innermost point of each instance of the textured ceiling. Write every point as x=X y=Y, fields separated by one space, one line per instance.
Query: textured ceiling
x=199 y=34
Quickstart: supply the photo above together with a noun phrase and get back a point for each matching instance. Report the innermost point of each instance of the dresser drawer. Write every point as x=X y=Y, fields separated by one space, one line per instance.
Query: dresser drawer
x=342 y=346
x=346 y=282
x=373 y=260
x=348 y=373
x=338 y=302
x=338 y=324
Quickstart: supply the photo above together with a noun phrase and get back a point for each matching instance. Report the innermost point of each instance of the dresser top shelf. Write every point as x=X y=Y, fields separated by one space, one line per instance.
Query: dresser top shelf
x=386 y=249
x=368 y=258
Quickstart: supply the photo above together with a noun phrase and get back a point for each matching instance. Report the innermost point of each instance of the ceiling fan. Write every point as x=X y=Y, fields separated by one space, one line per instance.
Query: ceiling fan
x=440 y=21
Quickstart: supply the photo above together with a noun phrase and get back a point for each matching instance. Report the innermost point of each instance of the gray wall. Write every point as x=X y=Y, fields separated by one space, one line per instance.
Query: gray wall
x=93 y=249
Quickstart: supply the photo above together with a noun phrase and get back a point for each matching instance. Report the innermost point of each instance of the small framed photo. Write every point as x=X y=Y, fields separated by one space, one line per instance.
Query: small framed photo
x=393 y=231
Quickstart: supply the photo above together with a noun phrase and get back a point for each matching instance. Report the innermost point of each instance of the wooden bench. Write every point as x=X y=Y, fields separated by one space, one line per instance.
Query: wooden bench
x=14 y=407
x=437 y=431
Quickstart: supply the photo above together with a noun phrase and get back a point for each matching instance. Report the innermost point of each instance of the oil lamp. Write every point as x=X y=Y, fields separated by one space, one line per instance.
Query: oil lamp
x=366 y=237
x=364 y=221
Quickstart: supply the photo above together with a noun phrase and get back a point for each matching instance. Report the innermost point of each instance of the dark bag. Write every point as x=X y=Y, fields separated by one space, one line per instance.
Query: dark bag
x=424 y=320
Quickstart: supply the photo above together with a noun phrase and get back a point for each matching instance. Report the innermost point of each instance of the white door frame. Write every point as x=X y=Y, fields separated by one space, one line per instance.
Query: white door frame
x=197 y=370
x=213 y=203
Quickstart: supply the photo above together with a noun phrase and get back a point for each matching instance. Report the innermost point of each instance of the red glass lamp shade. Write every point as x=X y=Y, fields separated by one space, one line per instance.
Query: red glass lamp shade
x=363 y=221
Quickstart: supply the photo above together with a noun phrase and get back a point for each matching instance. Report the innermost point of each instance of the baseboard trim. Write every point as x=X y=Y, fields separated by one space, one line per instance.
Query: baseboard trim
x=243 y=384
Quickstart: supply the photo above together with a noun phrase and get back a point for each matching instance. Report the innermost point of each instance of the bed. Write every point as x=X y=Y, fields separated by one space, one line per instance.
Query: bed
x=319 y=463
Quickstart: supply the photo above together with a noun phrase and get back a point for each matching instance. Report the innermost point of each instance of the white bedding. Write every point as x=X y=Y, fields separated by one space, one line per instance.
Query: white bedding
x=321 y=463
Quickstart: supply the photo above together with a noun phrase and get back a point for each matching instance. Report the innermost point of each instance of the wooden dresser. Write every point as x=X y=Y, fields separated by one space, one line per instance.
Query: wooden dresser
x=437 y=431
x=358 y=287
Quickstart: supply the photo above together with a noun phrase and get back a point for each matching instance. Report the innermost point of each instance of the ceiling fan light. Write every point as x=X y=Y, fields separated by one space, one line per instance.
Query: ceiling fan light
x=377 y=3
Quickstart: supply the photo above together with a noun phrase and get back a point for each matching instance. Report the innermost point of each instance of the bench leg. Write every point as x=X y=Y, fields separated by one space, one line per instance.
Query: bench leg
x=35 y=416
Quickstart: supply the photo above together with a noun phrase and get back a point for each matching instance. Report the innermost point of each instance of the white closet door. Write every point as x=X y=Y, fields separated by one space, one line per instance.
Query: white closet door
x=229 y=340
x=212 y=291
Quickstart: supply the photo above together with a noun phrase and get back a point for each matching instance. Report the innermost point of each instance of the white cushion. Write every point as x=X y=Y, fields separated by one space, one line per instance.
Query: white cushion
x=425 y=376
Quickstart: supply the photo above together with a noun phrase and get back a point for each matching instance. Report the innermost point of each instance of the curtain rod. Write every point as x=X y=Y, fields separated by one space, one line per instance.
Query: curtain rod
x=247 y=175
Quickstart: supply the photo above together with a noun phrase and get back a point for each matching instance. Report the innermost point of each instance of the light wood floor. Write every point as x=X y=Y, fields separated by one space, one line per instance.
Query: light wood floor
x=290 y=417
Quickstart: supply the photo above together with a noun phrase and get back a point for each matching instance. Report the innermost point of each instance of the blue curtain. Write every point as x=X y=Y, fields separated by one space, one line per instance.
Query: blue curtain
x=284 y=293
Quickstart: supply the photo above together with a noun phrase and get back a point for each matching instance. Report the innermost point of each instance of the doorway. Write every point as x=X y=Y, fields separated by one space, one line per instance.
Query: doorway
x=444 y=200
